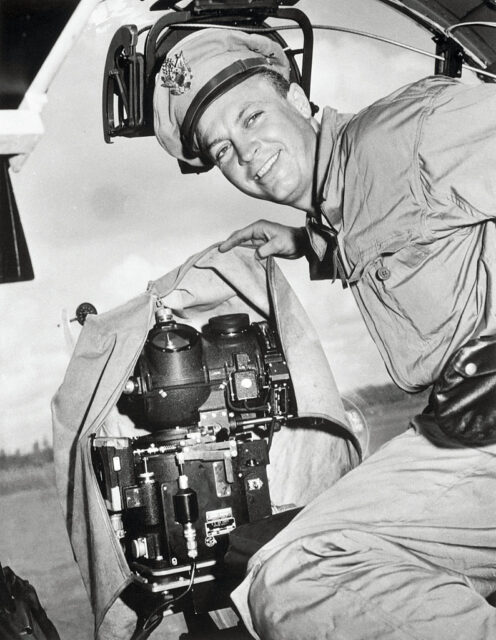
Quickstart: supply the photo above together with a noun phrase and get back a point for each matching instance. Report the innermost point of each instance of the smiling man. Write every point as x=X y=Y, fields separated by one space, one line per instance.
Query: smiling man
x=275 y=164
x=253 y=94
x=400 y=202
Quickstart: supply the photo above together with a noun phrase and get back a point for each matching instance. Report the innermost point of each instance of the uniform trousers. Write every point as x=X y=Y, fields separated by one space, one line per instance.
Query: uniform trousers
x=402 y=547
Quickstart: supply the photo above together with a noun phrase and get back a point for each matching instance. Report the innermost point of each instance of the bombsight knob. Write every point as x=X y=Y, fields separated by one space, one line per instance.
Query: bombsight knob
x=163 y=314
x=83 y=310
x=139 y=548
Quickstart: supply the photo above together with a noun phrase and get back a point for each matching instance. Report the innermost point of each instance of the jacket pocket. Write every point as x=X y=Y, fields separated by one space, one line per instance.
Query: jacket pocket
x=418 y=284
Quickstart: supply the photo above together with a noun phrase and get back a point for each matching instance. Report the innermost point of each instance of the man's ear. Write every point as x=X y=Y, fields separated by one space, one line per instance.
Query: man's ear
x=297 y=98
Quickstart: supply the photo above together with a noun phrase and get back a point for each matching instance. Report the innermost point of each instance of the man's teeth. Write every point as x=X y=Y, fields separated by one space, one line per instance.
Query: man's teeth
x=267 y=166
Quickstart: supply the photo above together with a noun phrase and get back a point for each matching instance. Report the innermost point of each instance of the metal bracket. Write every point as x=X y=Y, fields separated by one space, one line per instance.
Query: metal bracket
x=452 y=53
x=122 y=96
x=129 y=76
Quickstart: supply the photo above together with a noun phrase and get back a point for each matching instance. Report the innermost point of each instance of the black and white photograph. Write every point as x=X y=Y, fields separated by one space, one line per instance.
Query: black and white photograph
x=248 y=319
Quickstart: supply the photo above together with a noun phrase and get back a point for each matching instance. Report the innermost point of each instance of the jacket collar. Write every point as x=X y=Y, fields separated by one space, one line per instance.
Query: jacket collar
x=328 y=177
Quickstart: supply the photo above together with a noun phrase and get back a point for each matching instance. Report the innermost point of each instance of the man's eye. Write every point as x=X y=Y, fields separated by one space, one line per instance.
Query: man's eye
x=221 y=152
x=253 y=118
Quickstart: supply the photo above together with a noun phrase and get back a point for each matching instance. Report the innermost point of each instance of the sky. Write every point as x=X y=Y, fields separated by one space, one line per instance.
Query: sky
x=102 y=220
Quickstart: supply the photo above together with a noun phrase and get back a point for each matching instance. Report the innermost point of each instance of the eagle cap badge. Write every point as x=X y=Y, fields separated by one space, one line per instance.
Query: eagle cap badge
x=176 y=75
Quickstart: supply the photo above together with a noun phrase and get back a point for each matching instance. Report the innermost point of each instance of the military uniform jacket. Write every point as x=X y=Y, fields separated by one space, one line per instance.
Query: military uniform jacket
x=408 y=189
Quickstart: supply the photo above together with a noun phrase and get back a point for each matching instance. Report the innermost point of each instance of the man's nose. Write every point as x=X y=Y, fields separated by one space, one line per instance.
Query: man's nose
x=247 y=150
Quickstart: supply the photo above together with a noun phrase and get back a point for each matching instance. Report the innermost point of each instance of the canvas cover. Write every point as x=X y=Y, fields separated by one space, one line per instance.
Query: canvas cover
x=304 y=460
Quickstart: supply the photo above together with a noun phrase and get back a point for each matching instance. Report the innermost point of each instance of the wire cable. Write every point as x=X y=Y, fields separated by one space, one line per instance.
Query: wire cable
x=155 y=617
x=475 y=23
x=364 y=34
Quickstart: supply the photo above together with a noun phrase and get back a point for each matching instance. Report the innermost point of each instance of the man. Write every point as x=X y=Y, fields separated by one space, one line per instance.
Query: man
x=400 y=201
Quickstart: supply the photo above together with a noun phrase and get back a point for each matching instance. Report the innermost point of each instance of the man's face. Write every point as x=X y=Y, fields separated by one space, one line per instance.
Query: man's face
x=262 y=142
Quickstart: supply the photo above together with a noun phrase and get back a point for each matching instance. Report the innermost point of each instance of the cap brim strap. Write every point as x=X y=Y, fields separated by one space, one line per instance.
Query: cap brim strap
x=215 y=87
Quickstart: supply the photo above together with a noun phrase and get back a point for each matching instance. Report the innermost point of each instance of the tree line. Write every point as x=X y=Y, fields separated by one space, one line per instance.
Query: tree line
x=40 y=455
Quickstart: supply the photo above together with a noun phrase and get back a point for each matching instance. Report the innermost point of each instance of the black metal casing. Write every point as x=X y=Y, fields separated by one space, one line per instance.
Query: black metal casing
x=211 y=401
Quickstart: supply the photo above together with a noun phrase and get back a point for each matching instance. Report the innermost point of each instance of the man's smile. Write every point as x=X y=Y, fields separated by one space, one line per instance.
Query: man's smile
x=267 y=166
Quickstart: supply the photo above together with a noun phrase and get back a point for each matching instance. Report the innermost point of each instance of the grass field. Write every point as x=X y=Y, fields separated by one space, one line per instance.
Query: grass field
x=25 y=478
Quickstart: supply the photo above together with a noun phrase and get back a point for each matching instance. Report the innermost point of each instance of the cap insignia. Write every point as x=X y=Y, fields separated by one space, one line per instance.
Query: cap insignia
x=176 y=75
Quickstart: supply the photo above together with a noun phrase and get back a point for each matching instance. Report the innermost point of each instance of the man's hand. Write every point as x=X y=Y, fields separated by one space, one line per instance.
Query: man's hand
x=270 y=238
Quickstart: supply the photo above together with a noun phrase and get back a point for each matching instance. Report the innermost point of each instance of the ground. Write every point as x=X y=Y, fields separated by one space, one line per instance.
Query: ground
x=34 y=543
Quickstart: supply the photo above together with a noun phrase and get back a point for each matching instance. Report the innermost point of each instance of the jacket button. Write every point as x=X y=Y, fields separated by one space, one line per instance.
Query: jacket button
x=382 y=273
